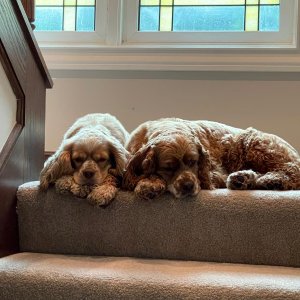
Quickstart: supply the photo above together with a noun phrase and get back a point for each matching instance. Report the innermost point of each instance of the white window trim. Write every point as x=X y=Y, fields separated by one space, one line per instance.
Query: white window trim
x=285 y=38
x=116 y=45
x=69 y=38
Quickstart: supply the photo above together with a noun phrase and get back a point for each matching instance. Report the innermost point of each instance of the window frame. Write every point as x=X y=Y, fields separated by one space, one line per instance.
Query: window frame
x=116 y=47
x=284 y=38
x=98 y=36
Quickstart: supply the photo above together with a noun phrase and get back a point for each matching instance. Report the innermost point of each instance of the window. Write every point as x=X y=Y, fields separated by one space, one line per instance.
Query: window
x=218 y=15
x=68 y=15
x=72 y=22
x=212 y=24
x=168 y=34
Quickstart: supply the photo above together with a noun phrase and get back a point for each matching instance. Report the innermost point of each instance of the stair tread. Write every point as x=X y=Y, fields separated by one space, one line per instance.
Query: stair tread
x=49 y=276
x=254 y=227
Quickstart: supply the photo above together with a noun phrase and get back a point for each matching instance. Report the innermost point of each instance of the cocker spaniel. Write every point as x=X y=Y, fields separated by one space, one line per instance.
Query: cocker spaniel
x=185 y=156
x=90 y=160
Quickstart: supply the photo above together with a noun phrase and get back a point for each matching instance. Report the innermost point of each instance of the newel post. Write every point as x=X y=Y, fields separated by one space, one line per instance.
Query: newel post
x=29 y=9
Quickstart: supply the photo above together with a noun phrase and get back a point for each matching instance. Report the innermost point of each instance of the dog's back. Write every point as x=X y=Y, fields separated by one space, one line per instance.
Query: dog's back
x=104 y=122
x=211 y=133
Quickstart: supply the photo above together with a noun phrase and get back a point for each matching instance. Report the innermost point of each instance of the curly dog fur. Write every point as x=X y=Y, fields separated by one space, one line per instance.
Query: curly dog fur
x=183 y=156
x=90 y=160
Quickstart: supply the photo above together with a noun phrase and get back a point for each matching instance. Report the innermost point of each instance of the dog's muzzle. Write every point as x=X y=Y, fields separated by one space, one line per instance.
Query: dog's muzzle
x=88 y=174
x=186 y=184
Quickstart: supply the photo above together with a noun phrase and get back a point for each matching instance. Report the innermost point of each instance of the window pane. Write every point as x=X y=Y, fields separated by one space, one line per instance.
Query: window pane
x=69 y=18
x=68 y=15
x=209 y=2
x=49 y=2
x=208 y=18
x=85 y=18
x=251 y=23
x=149 y=18
x=209 y=15
x=269 y=18
x=48 y=18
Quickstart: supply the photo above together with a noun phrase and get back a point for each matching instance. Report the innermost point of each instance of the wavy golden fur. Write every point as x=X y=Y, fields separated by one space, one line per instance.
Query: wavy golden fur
x=183 y=156
x=90 y=159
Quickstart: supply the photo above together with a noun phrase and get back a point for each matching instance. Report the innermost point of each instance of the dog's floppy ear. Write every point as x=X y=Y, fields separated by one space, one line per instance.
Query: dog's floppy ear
x=141 y=165
x=118 y=157
x=204 y=168
x=149 y=162
x=56 y=166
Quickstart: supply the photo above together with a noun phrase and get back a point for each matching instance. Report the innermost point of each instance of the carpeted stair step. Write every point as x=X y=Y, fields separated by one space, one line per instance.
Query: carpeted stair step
x=252 y=227
x=36 y=276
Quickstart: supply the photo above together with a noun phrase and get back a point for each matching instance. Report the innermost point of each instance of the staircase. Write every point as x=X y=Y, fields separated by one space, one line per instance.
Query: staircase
x=221 y=245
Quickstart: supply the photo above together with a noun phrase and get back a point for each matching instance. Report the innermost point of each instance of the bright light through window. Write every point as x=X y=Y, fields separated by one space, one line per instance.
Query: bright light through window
x=65 y=15
x=209 y=15
x=197 y=35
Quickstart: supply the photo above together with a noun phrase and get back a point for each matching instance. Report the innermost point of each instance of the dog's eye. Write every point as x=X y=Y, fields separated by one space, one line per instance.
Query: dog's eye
x=79 y=160
x=101 y=160
x=169 y=169
x=191 y=163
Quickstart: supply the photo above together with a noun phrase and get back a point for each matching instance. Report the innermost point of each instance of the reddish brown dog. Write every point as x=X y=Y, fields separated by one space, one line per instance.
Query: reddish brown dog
x=183 y=157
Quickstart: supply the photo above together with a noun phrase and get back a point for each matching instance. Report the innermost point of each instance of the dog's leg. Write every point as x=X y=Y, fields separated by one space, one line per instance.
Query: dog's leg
x=275 y=164
x=66 y=185
x=285 y=178
x=63 y=184
x=242 y=180
x=218 y=179
x=150 y=188
x=102 y=195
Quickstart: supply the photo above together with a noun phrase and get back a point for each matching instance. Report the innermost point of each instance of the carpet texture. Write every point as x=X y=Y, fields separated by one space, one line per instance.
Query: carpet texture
x=252 y=227
x=33 y=276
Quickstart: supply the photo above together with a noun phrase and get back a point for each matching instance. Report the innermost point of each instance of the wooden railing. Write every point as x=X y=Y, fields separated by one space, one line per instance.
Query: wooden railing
x=29 y=9
x=22 y=157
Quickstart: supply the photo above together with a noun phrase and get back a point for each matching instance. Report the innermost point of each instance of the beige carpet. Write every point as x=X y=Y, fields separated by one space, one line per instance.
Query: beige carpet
x=32 y=276
x=254 y=227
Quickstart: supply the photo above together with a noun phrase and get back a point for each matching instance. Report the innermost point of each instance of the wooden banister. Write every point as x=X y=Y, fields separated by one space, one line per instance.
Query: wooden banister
x=22 y=156
x=29 y=9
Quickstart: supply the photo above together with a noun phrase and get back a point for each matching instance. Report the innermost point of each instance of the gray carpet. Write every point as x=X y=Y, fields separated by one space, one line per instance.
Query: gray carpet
x=253 y=227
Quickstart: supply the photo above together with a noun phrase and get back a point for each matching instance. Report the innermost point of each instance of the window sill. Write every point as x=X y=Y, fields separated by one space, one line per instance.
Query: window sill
x=170 y=58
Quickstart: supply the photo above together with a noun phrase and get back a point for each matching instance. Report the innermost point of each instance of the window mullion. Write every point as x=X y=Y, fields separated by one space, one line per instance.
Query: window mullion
x=114 y=22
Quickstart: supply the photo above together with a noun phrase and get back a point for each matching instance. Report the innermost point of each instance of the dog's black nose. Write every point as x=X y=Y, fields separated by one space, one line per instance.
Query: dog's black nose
x=188 y=186
x=88 y=174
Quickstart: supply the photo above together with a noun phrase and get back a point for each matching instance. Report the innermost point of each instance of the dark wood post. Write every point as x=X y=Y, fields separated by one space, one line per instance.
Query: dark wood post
x=22 y=157
x=29 y=9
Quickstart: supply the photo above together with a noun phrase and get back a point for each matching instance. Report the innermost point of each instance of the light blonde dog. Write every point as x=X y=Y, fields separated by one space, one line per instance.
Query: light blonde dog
x=183 y=157
x=90 y=160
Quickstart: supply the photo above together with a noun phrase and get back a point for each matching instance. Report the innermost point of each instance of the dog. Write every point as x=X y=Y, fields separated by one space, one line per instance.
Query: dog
x=183 y=157
x=90 y=160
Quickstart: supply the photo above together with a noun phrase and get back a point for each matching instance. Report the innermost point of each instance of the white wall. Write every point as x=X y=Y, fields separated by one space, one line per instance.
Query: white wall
x=269 y=102
x=8 y=108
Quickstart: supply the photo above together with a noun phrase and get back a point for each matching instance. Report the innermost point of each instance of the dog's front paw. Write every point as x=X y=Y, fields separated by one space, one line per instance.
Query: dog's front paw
x=242 y=180
x=102 y=195
x=149 y=188
x=66 y=185
x=80 y=191
x=63 y=185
